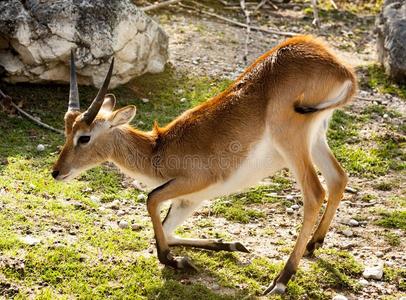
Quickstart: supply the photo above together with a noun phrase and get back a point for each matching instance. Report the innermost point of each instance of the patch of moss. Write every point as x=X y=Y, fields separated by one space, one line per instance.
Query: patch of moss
x=397 y=275
x=392 y=239
x=393 y=219
x=376 y=78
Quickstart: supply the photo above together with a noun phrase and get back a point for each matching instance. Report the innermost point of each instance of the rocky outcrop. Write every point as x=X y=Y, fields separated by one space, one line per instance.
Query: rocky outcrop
x=36 y=37
x=391 y=29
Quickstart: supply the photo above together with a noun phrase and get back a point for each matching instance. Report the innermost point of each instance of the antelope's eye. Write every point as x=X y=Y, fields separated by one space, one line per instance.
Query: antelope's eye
x=84 y=139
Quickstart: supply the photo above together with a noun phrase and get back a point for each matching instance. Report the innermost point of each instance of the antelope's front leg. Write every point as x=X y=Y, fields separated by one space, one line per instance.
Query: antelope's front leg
x=169 y=190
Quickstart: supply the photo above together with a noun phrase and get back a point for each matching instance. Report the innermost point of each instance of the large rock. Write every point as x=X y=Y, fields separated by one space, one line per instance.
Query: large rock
x=36 y=37
x=391 y=29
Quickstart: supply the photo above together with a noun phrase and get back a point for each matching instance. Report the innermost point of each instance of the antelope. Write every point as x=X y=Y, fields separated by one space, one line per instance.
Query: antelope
x=273 y=116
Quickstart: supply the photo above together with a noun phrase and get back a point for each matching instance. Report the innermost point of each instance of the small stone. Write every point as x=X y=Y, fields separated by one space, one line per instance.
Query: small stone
x=115 y=204
x=87 y=190
x=389 y=263
x=121 y=213
x=182 y=100
x=123 y=224
x=363 y=282
x=295 y=207
x=379 y=253
x=373 y=272
x=351 y=190
x=289 y=210
x=289 y=197
x=385 y=116
x=94 y=198
x=145 y=100
x=78 y=205
x=234 y=230
x=339 y=297
x=141 y=197
x=138 y=185
x=347 y=246
x=136 y=227
x=353 y=223
x=30 y=240
x=348 y=233
x=274 y=195
x=40 y=147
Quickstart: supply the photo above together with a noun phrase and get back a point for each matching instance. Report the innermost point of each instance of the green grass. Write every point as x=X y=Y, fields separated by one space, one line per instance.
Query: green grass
x=366 y=157
x=397 y=276
x=392 y=239
x=393 y=219
x=376 y=78
x=241 y=207
x=356 y=7
x=82 y=255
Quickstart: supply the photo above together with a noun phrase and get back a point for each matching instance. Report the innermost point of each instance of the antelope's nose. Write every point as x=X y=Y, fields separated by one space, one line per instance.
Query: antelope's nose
x=55 y=174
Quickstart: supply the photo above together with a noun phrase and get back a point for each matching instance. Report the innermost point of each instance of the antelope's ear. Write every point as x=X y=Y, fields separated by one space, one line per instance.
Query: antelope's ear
x=70 y=117
x=109 y=102
x=123 y=116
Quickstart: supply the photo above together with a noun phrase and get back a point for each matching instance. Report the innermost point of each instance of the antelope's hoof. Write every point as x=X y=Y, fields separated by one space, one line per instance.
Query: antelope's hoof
x=184 y=263
x=239 y=247
x=275 y=289
x=311 y=247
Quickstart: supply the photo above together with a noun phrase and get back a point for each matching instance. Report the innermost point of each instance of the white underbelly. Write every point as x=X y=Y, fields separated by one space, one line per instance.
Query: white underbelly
x=262 y=161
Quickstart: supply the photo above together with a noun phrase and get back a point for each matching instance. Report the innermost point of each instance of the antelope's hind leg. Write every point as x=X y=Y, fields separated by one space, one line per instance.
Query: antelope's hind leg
x=313 y=196
x=179 y=211
x=336 y=180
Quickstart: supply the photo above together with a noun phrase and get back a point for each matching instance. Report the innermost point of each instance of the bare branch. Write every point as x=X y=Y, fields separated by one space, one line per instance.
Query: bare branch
x=160 y=5
x=260 y=5
x=255 y=28
x=334 y=4
x=316 y=20
x=273 y=5
x=27 y=115
x=247 y=36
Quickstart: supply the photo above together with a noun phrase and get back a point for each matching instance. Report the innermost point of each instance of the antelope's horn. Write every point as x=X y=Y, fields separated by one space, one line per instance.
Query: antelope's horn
x=73 y=92
x=91 y=113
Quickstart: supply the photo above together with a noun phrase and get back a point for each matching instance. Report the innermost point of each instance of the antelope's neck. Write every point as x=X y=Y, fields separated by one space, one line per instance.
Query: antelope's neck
x=133 y=154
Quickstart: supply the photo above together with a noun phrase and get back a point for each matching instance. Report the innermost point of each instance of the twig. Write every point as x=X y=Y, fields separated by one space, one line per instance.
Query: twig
x=260 y=5
x=160 y=5
x=273 y=5
x=316 y=20
x=334 y=4
x=223 y=2
x=255 y=28
x=247 y=36
x=27 y=115
x=364 y=98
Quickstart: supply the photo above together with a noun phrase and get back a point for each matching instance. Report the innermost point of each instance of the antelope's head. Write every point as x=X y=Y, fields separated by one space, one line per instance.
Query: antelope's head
x=89 y=135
